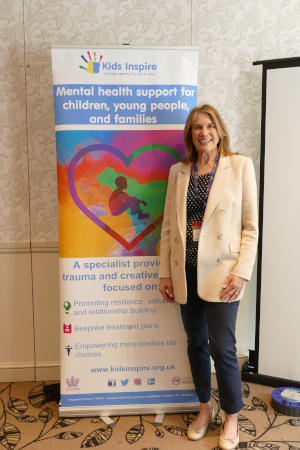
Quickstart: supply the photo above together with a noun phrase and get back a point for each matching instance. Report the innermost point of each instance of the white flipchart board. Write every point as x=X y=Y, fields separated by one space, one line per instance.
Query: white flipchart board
x=279 y=326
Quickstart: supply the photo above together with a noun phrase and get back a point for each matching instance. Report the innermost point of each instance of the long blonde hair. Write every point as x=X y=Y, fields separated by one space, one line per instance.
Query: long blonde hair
x=224 y=140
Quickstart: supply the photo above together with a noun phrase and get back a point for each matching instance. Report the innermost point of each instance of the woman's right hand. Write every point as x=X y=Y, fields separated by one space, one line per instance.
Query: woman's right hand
x=166 y=289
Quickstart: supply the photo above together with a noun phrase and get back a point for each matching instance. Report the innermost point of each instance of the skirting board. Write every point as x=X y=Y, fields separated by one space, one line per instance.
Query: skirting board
x=41 y=373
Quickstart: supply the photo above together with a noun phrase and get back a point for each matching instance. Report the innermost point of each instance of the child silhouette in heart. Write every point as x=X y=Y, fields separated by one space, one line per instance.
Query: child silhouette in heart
x=119 y=201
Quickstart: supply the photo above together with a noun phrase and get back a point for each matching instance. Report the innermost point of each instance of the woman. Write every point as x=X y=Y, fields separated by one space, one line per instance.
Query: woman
x=208 y=247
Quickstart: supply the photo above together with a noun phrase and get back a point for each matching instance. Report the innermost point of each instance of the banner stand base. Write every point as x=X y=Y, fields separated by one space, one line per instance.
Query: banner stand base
x=108 y=421
x=159 y=419
x=109 y=411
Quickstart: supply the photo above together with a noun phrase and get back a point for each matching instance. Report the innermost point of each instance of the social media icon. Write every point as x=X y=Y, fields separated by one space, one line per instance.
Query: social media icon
x=124 y=382
x=151 y=381
x=137 y=381
x=111 y=382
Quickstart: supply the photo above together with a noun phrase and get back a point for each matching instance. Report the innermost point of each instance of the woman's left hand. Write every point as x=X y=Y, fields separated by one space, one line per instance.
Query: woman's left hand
x=232 y=288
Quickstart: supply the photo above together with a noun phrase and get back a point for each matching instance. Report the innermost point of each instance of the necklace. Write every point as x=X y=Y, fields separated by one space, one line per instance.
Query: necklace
x=207 y=167
x=196 y=180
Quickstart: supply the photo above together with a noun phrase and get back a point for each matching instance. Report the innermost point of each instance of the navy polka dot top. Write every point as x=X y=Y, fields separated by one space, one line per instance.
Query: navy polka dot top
x=194 y=213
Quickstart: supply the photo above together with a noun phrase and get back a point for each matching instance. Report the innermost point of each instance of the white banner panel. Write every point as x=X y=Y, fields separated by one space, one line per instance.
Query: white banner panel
x=119 y=116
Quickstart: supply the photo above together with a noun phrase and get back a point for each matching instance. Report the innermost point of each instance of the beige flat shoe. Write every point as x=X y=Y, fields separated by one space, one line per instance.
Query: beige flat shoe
x=229 y=444
x=196 y=433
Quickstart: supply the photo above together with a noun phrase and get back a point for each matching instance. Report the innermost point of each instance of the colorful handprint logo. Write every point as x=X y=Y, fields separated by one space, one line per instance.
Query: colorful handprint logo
x=93 y=65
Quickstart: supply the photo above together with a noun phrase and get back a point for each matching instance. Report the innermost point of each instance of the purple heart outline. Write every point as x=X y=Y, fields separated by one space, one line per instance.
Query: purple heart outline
x=127 y=161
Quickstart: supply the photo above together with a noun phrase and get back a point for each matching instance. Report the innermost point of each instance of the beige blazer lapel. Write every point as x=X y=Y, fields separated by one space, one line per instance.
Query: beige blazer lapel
x=182 y=187
x=218 y=186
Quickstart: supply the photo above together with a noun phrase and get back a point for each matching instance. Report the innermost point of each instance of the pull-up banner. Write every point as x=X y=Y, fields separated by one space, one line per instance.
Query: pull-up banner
x=119 y=115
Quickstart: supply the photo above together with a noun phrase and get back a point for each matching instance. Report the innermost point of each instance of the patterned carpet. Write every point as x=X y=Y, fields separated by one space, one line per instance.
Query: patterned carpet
x=27 y=420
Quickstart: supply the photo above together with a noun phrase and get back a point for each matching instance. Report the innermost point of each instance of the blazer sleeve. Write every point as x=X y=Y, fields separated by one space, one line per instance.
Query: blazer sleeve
x=165 y=240
x=249 y=235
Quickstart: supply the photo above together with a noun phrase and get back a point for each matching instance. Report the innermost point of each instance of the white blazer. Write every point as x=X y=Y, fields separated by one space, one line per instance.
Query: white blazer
x=229 y=234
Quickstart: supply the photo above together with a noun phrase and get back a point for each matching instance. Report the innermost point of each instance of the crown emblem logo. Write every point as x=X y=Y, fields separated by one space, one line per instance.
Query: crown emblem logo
x=72 y=382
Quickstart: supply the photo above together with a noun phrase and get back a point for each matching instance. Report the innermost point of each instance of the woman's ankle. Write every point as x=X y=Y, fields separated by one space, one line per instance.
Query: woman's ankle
x=230 y=427
x=205 y=406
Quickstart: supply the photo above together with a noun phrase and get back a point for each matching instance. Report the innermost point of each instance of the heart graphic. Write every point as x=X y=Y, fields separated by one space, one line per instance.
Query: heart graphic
x=127 y=161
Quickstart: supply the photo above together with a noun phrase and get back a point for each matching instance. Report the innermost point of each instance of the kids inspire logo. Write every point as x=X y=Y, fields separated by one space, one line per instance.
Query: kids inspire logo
x=93 y=64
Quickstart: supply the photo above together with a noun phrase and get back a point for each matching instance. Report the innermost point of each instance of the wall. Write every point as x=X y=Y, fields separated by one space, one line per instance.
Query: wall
x=230 y=35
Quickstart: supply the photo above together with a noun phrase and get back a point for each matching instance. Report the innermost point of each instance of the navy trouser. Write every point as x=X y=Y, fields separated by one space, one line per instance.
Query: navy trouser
x=210 y=329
